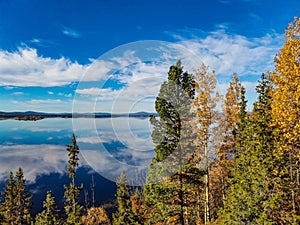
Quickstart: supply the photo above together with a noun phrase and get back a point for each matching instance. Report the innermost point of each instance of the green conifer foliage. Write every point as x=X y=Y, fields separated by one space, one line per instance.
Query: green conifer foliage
x=7 y=207
x=251 y=198
x=223 y=167
x=72 y=207
x=23 y=200
x=16 y=204
x=50 y=214
x=168 y=176
x=124 y=214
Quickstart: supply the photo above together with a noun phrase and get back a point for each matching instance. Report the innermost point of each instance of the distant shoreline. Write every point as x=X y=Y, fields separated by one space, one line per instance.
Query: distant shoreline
x=34 y=116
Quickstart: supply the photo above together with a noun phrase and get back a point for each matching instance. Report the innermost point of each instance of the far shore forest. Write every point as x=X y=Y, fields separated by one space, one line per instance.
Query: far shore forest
x=215 y=162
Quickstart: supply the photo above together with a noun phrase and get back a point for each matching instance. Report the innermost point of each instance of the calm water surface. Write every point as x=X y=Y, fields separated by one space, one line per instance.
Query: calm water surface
x=107 y=146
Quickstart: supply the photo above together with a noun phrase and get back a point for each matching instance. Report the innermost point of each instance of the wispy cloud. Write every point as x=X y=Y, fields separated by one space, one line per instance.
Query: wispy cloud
x=68 y=95
x=50 y=105
x=18 y=93
x=44 y=101
x=224 y=1
x=40 y=42
x=255 y=17
x=229 y=53
x=223 y=52
x=70 y=32
x=93 y=91
x=35 y=40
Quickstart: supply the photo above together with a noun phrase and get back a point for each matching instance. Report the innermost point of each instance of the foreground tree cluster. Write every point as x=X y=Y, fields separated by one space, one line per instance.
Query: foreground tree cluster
x=215 y=162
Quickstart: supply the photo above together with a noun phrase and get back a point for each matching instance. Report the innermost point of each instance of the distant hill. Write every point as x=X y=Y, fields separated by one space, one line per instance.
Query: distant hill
x=31 y=115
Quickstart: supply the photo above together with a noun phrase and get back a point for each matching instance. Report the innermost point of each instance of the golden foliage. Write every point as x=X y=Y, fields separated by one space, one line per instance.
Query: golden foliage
x=206 y=125
x=286 y=112
x=96 y=216
x=286 y=90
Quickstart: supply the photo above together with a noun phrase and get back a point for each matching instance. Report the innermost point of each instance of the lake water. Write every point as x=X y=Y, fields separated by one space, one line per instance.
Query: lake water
x=107 y=146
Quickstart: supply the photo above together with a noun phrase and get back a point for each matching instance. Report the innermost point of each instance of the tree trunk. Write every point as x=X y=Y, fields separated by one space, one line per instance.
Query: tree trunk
x=206 y=183
x=181 y=200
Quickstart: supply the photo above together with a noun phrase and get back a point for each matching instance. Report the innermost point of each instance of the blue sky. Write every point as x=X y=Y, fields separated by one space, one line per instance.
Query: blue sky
x=59 y=56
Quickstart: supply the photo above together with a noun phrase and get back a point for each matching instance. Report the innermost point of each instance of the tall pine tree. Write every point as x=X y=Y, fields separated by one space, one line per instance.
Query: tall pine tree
x=251 y=198
x=23 y=202
x=165 y=189
x=72 y=207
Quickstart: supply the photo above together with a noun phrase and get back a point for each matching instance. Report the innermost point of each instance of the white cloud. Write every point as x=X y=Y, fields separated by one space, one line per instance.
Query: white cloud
x=8 y=87
x=26 y=68
x=45 y=105
x=93 y=91
x=131 y=141
x=18 y=93
x=228 y=53
x=140 y=81
x=68 y=95
x=136 y=151
x=41 y=42
x=110 y=167
x=70 y=32
x=232 y=53
x=45 y=101
x=91 y=140
x=97 y=70
x=223 y=52
x=33 y=159
x=35 y=40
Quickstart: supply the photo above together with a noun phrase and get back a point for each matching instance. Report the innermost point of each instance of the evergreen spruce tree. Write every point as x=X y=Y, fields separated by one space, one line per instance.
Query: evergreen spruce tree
x=23 y=202
x=16 y=204
x=168 y=175
x=251 y=198
x=50 y=214
x=7 y=207
x=124 y=214
x=72 y=207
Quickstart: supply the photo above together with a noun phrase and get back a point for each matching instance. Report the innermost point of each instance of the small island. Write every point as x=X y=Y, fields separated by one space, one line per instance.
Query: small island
x=28 y=118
